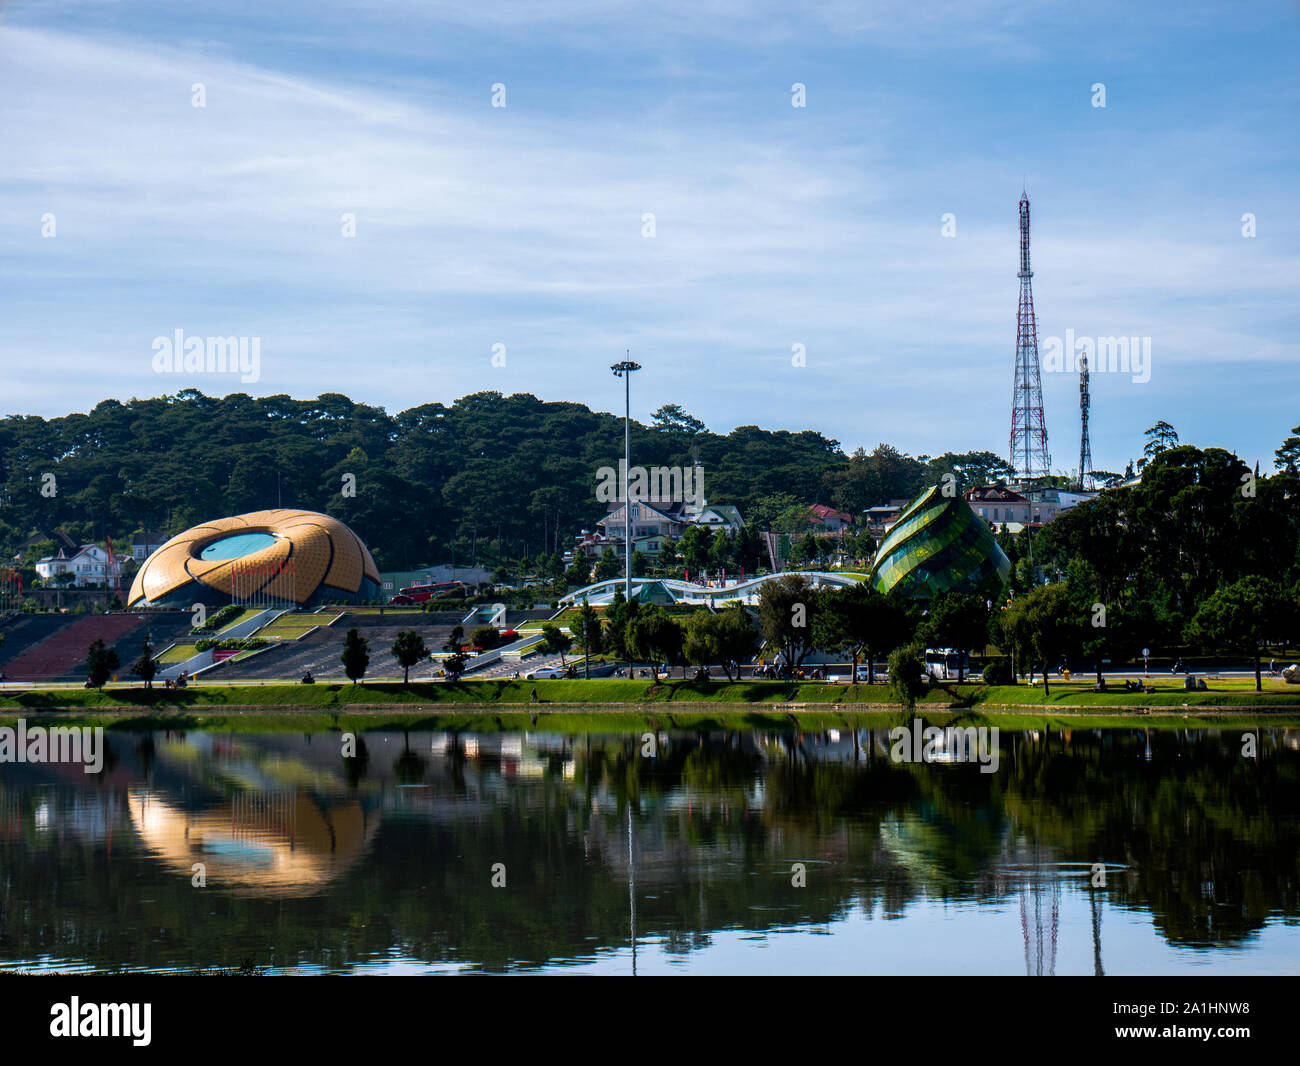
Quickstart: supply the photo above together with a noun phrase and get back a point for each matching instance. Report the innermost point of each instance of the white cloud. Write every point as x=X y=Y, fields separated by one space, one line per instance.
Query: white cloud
x=478 y=225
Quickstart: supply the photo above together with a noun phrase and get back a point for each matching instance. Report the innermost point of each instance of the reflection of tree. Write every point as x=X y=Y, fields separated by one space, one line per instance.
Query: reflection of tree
x=356 y=766
x=1206 y=832
x=455 y=762
x=1209 y=837
x=145 y=750
x=410 y=766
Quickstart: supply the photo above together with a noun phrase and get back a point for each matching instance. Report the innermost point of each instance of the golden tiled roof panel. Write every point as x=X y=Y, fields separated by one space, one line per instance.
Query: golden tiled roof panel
x=343 y=552
x=325 y=552
x=165 y=570
x=368 y=566
x=311 y=554
x=221 y=576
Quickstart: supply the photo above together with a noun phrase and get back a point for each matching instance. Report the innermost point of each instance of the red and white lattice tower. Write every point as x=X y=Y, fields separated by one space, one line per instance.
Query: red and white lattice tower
x=1029 y=453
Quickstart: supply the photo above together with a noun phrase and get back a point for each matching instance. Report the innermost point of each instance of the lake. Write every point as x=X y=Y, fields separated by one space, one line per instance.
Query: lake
x=730 y=850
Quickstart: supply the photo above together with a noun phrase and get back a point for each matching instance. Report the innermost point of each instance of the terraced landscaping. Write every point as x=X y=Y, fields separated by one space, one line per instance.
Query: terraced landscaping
x=296 y=625
x=177 y=653
x=242 y=616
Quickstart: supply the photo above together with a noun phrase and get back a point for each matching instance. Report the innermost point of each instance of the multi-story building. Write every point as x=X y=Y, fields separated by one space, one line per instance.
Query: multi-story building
x=145 y=544
x=1000 y=505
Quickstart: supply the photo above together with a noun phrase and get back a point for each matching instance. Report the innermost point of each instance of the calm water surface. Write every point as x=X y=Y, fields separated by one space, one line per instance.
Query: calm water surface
x=683 y=862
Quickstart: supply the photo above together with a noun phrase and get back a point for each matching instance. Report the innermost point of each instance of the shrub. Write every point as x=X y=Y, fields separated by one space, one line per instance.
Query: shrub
x=907 y=674
x=218 y=619
x=485 y=637
x=230 y=643
x=998 y=672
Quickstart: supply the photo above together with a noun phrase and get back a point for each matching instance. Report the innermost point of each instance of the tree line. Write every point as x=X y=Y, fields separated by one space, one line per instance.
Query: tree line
x=488 y=478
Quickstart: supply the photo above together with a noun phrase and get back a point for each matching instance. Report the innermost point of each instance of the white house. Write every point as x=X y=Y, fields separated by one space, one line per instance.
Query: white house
x=717 y=516
x=88 y=565
x=655 y=522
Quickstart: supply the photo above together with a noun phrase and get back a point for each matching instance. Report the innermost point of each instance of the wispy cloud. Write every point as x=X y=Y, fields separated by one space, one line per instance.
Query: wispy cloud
x=523 y=226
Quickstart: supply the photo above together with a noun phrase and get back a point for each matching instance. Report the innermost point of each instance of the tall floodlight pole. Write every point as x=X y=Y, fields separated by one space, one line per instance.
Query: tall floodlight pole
x=624 y=370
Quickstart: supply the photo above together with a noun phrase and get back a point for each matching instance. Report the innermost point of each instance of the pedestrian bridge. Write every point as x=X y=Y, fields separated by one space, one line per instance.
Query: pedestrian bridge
x=746 y=592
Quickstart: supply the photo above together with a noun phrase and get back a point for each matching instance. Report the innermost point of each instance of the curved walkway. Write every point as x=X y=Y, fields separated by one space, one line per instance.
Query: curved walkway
x=747 y=591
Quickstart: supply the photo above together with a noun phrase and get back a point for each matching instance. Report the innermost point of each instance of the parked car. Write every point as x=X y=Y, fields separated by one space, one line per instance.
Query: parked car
x=547 y=674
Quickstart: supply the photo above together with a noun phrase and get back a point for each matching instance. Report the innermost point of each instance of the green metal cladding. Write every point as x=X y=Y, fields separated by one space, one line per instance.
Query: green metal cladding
x=939 y=545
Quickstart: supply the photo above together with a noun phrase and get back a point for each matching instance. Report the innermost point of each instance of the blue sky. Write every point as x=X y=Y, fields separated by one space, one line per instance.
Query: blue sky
x=775 y=226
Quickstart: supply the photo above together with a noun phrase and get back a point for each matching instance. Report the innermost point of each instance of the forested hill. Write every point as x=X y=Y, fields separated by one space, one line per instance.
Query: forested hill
x=510 y=475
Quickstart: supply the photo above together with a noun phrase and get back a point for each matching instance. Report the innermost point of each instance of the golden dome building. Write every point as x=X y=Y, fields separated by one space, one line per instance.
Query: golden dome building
x=280 y=557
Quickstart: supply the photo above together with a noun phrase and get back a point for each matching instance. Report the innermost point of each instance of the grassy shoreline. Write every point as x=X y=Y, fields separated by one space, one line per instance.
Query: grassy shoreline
x=579 y=721
x=609 y=703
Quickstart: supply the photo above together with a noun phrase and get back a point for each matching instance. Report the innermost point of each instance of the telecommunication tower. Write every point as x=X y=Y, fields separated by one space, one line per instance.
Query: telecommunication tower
x=1029 y=453
x=1085 y=446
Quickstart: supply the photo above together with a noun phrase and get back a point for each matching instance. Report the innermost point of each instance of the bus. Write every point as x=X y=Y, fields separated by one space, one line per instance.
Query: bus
x=440 y=590
x=941 y=663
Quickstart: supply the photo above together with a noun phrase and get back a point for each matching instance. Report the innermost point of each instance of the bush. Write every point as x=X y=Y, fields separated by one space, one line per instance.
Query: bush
x=998 y=672
x=218 y=619
x=907 y=680
x=485 y=637
x=230 y=643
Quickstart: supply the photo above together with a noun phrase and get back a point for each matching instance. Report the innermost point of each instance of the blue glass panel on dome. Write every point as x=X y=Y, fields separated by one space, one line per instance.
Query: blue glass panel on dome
x=239 y=544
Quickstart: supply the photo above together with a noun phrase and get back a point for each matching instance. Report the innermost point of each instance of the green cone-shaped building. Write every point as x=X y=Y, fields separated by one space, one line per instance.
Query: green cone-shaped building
x=940 y=545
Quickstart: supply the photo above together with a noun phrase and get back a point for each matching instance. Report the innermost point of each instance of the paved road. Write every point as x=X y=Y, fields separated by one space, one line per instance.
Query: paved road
x=842 y=669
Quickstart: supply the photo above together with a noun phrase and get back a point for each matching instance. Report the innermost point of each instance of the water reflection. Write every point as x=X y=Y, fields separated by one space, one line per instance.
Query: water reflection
x=619 y=862
x=278 y=843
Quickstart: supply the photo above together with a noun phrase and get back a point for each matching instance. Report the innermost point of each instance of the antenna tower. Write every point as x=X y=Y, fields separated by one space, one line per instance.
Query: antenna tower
x=1029 y=453
x=1085 y=446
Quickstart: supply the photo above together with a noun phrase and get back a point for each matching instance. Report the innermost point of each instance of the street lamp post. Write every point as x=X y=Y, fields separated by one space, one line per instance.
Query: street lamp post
x=625 y=370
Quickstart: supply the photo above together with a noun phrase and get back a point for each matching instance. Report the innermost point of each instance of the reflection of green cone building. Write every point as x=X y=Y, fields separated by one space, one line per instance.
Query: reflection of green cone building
x=939 y=545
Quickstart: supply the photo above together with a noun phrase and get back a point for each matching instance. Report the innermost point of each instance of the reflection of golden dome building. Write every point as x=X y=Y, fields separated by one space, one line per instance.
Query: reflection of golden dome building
x=279 y=556
x=259 y=843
